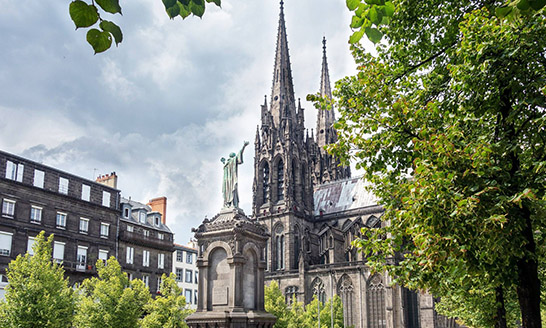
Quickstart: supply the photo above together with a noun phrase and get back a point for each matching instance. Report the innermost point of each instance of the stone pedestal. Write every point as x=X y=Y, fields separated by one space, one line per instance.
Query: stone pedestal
x=231 y=273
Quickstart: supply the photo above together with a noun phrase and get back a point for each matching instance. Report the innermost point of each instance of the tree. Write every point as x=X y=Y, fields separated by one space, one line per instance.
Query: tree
x=110 y=300
x=448 y=121
x=275 y=304
x=168 y=310
x=85 y=15
x=38 y=295
x=310 y=319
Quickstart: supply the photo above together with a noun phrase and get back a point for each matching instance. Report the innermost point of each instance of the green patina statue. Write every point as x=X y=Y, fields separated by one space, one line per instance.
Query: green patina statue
x=229 y=185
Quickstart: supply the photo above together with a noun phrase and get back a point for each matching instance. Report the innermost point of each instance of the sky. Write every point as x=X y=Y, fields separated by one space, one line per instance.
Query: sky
x=164 y=106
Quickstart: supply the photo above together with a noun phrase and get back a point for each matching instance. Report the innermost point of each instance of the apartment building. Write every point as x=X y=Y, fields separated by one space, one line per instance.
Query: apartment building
x=185 y=267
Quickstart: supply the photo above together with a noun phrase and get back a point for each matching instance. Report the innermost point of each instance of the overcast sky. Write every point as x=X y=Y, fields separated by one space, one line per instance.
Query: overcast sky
x=162 y=108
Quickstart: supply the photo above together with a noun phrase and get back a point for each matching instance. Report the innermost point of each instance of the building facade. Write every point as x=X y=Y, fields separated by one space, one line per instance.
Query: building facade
x=82 y=214
x=185 y=268
x=145 y=241
x=313 y=209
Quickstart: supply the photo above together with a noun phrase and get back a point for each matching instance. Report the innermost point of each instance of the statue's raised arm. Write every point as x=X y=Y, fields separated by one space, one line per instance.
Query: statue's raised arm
x=229 y=185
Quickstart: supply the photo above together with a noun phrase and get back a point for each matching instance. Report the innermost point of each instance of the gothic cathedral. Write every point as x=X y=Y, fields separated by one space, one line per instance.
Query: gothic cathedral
x=313 y=209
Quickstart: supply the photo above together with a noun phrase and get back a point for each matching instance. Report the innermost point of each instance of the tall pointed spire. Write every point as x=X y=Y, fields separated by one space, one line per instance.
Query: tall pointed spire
x=325 y=89
x=325 y=118
x=282 y=91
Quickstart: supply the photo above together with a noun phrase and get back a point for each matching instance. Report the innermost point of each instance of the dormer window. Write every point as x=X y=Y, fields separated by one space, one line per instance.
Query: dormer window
x=156 y=219
x=142 y=217
x=126 y=213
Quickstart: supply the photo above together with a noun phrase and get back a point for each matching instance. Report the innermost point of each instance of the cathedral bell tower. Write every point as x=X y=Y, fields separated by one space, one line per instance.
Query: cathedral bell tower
x=282 y=179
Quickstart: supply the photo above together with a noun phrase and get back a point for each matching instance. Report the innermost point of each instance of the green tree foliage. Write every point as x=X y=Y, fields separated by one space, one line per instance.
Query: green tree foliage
x=86 y=14
x=168 y=310
x=298 y=316
x=449 y=123
x=38 y=295
x=110 y=300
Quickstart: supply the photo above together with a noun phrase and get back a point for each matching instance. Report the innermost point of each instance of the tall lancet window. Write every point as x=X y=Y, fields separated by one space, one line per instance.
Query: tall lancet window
x=265 y=183
x=376 y=303
x=279 y=247
x=280 y=180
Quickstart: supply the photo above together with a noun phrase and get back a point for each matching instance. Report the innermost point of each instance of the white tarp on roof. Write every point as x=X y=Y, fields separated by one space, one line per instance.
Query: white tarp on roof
x=342 y=196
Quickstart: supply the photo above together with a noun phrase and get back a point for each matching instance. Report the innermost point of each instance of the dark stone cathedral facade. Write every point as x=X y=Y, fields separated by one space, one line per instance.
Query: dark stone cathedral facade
x=313 y=209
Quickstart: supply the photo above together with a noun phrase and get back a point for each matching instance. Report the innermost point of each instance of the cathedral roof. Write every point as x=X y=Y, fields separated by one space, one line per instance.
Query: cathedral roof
x=341 y=196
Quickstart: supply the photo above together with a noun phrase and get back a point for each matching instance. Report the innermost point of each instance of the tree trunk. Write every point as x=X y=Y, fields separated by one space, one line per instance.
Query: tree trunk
x=528 y=283
x=501 y=310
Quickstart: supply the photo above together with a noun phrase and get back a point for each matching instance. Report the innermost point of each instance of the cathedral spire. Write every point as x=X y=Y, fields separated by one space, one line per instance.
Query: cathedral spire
x=325 y=118
x=282 y=91
x=325 y=90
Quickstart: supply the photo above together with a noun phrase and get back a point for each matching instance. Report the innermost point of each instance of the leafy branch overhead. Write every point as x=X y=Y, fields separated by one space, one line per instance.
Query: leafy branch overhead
x=87 y=15
x=371 y=16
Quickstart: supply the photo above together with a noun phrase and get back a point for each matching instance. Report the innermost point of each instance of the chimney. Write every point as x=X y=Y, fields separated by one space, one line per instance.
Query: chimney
x=110 y=180
x=159 y=204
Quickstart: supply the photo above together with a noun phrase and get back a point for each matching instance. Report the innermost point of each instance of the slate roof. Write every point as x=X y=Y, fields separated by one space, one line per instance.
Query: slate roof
x=135 y=206
x=342 y=195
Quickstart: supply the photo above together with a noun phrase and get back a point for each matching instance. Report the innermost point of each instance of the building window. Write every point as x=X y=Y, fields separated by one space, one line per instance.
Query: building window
x=103 y=255
x=146 y=233
x=106 y=198
x=61 y=220
x=187 y=294
x=195 y=296
x=156 y=221
x=189 y=257
x=58 y=251
x=280 y=181
x=179 y=256
x=290 y=294
x=86 y=192
x=159 y=284
x=179 y=273
x=104 y=230
x=39 y=179
x=146 y=280
x=160 y=261
x=160 y=236
x=130 y=252
x=142 y=217
x=130 y=228
x=265 y=183
x=376 y=303
x=8 y=207
x=145 y=258
x=189 y=275
x=35 y=214
x=81 y=258
x=14 y=171
x=5 y=243
x=84 y=225
x=126 y=213
x=63 y=185
x=30 y=243
x=129 y=276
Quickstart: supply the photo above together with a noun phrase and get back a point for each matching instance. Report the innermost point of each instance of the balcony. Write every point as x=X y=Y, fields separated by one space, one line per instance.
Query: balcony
x=83 y=267
x=147 y=241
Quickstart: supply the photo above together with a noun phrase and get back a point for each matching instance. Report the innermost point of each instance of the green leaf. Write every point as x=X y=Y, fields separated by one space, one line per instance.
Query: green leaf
x=352 y=4
x=100 y=41
x=111 y=6
x=356 y=36
x=389 y=8
x=537 y=4
x=523 y=5
x=185 y=2
x=503 y=11
x=113 y=29
x=169 y=3
x=197 y=7
x=217 y=2
x=82 y=14
x=173 y=11
x=373 y=34
x=184 y=10
x=356 y=22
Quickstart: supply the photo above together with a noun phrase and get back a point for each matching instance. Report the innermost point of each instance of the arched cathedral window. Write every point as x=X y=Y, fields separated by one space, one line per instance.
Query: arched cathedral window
x=279 y=246
x=265 y=183
x=376 y=303
x=290 y=294
x=346 y=291
x=318 y=290
x=296 y=247
x=280 y=180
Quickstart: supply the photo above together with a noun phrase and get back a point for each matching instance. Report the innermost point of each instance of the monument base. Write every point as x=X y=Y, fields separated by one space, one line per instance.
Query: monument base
x=231 y=319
